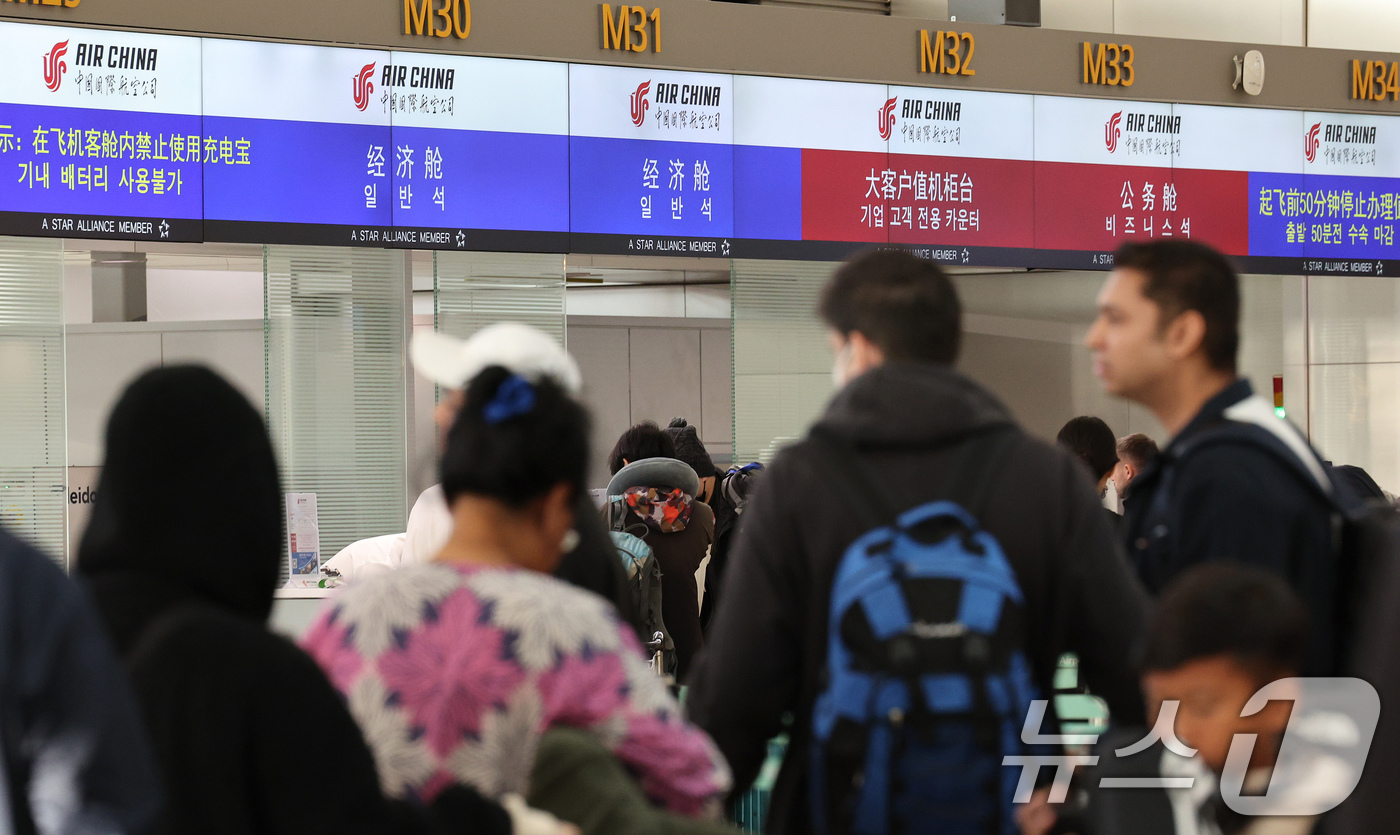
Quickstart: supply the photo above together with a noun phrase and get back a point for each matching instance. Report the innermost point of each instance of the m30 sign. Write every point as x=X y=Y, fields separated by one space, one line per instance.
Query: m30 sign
x=437 y=18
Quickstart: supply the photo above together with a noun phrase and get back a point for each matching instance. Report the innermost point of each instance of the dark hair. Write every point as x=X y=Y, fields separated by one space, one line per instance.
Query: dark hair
x=1182 y=276
x=1222 y=608
x=515 y=454
x=645 y=440
x=1091 y=441
x=188 y=460
x=903 y=304
x=1137 y=448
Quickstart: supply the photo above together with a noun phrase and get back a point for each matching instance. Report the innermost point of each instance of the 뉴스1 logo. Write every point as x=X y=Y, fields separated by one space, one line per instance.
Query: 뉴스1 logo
x=363 y=86
x=1310 y=142
x=55 y=66
x=1316 y=764
x=887 y=119
x=640 y=103
x=1111 y=131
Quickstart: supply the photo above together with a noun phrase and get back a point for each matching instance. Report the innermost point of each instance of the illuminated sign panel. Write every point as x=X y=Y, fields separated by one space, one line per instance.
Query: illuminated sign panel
x=651 y=161
x=320 y=165
x=481 y=150
x=100 y=134
x=114 y=135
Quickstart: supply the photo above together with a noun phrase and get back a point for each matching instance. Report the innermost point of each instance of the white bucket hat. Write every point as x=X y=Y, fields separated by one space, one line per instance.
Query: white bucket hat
x=530 y=352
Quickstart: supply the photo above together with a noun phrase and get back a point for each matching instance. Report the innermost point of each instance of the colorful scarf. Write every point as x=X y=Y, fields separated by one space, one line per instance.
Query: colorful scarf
x=662 y=510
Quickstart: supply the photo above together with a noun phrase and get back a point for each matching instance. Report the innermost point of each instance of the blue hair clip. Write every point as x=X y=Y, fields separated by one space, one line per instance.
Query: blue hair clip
x=514 y=396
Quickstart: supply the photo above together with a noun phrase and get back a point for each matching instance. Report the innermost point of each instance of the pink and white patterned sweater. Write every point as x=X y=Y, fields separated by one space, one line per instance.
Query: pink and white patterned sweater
x=454 y=672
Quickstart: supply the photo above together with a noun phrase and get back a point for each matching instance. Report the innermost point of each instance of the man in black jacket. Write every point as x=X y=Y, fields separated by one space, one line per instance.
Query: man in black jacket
x=1235 y=482
x=918 y=427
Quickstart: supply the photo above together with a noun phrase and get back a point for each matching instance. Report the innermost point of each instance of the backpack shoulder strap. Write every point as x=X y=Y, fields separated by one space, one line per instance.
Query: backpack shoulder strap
x=1228 y=432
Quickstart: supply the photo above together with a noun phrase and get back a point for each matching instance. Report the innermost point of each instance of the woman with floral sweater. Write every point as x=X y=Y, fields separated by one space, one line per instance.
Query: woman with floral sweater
x=455 y=668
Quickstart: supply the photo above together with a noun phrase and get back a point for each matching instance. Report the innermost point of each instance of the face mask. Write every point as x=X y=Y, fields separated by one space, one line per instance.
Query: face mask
x=841 y=365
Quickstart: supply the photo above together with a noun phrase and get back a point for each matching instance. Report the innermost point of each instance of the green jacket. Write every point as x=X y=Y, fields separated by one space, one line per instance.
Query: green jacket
x=578 y=780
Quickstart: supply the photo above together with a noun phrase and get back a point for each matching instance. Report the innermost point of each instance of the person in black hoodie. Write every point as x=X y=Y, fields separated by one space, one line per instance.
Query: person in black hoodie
x=182 y=553
x=919 y=427
x=73 y=757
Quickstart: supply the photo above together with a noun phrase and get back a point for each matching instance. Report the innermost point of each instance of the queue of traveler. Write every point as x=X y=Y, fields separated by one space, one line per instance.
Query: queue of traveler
x=894 y=595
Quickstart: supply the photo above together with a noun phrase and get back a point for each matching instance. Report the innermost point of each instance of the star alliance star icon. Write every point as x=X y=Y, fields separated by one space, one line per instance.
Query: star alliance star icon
x=461 y=239
x=164 y=229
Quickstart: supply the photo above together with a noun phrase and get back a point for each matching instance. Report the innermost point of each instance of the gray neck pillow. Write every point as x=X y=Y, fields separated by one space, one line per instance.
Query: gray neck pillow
x=655 y=472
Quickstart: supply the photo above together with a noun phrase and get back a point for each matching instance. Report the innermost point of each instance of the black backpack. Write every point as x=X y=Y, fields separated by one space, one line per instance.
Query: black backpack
x=731 y=495
x=734 y=489
x=1365 y=535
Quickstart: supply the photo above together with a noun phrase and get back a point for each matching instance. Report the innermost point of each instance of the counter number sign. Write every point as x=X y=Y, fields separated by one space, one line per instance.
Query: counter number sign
x=627 y=30
x=1374 y=80
x=65 y=3
x=946 y=52
x=437 y=18
x=1109 y=64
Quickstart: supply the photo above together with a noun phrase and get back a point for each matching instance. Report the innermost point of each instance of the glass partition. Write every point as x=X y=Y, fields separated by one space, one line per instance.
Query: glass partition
x=335 y=330
x=33 y=443
x=782 y=361
x=474 y=289
x=1354 y=372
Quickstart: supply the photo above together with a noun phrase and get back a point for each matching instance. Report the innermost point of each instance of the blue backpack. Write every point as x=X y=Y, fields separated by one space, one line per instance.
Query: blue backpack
x=926 y=683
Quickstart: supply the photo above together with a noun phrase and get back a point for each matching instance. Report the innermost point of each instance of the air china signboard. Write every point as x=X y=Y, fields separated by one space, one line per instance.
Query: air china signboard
x=100 y=134
x=113 y=135
x=1345 y=210
x=960 y=174
x=651 y=163
x=804 y=153
x=320 y=162
x=481 y=152
x=829 y=166
x=1103 y=175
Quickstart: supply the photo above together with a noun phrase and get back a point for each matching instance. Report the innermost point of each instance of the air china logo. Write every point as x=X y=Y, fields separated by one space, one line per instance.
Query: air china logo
x=640 y=103
x=1310 y=142
x=1340 y=144
x=887 y=119
x=363 y=86
x=55 y=66
x=1111 y=132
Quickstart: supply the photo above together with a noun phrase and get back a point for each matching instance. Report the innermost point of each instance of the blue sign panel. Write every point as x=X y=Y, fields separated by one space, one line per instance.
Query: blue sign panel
x=320 y=161
x=651 y=161
x=475 y=164
x=100 y=134
x=646 y=187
